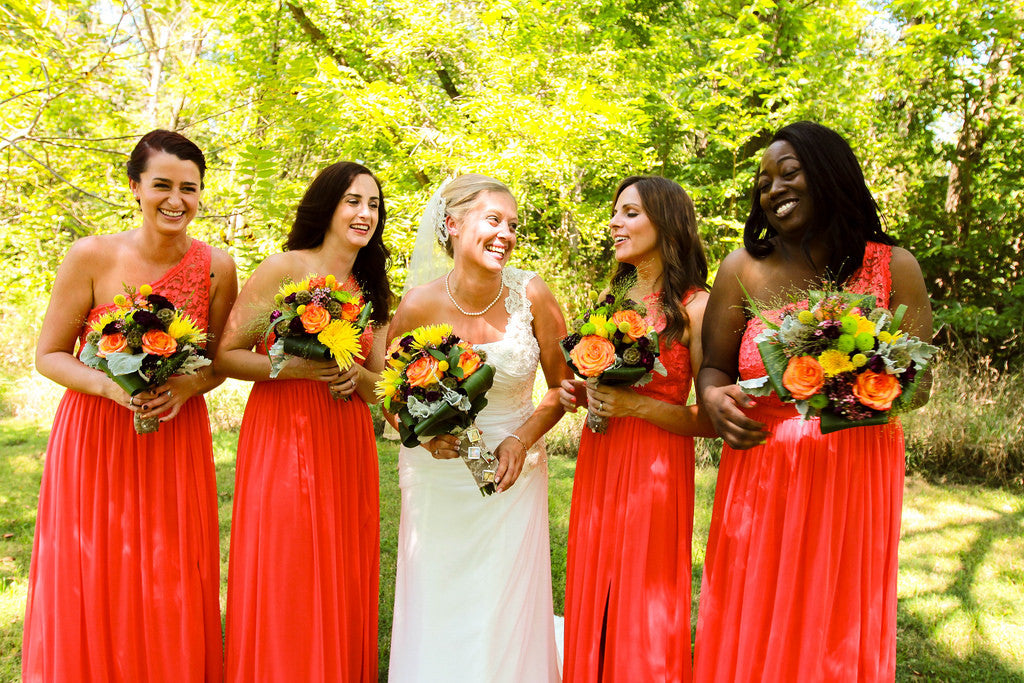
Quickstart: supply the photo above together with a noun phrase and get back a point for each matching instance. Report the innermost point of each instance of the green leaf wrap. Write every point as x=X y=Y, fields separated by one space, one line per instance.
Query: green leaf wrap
x=133 y=383
x=447 y=417
x=309 y=348
x=831 y=422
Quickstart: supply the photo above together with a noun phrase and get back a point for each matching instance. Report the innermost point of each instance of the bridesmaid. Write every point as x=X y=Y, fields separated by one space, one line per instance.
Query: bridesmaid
x=800 y=572
x=627 y=596
x=305 y=538
x=125 y=566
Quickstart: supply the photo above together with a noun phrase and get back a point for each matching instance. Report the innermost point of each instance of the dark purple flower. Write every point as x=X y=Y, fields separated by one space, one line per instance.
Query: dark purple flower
x=875 y=364
x=147 y=320
x=571 y=341
x=295 y=325
x=290 y=299
x=113 y=327
x=609 y=299
x=644 y=343
x=158 y=302
x=433 y=396
x=274 y=315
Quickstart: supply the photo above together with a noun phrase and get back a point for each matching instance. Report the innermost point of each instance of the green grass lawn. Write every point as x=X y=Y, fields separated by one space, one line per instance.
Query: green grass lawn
x=961 y=583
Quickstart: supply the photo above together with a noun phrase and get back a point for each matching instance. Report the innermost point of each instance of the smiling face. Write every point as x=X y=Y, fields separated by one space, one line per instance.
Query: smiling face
x=782 y=190
x=355 y=218
x=167 y=192
x=486 y=234
x=634 y=236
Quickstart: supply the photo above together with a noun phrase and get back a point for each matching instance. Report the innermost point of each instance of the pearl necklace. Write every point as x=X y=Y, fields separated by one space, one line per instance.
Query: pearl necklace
x=462 y=310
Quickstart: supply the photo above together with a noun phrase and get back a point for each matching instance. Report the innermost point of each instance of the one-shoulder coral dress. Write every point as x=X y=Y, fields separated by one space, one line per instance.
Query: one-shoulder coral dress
x=800 y=573
x=125 y=565
x=304 y=563
x=628 y=577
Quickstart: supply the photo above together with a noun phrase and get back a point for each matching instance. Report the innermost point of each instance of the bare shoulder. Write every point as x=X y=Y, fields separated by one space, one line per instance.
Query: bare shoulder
x=221 y=261
x=420 y=304
x=903 y=263
x=697 y=302
x=96 y=252
x=537 y=290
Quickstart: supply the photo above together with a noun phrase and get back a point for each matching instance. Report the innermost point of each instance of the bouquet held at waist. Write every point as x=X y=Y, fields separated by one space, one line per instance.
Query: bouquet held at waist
x=840 y=356
x=142 y=342
x=318 y=319
x=613 y=344
x=436 y=383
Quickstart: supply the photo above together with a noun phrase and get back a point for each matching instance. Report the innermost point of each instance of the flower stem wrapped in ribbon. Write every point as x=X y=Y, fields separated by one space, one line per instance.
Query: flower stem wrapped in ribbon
x=318 y=319
x=142 y=342
x=435 y=383
x=613 y=344
x=839 y=356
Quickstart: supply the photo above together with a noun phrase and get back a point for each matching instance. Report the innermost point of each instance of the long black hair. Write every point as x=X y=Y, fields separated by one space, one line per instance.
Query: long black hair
x=846 y=216
x=313 y=219
x=685 y=266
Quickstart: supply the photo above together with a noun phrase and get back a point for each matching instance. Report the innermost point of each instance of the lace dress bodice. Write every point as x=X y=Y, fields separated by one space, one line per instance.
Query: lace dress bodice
x=873 y=277
x=515 y=358
x=674 y=387
x=186 y=285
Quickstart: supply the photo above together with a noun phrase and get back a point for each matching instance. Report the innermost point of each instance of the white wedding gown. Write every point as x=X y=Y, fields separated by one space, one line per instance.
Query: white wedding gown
x=473 y=588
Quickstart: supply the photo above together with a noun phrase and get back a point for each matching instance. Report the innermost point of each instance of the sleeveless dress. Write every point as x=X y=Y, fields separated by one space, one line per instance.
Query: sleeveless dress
x=305 y=537
x=125 y=565
x=628 y=555
x=800 y=572
x=473 y=589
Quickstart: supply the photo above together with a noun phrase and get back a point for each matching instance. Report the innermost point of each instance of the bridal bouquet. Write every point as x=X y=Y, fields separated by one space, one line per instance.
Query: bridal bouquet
x=142 y=342
x=840 y=356
x=613 y=344
x=436 y=384
x=316 y=319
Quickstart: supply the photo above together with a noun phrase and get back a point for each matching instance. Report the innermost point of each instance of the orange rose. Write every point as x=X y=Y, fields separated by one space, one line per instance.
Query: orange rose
x=637 y=325
x=422 y=372
x=803 y=377
x=317 y=282
x=315 y=318
x=593 y=355
x=158 y=343
x=350 y=311
x=111 y=343
x=877 y=390
x=469 y=361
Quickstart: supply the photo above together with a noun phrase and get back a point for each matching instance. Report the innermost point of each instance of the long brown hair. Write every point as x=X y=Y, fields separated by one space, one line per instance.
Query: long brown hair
x=670 y=211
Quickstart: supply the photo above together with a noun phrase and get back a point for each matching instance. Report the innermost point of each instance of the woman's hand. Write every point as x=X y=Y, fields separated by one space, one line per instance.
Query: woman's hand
x=316 y=370
x=573 y=394
x=166 y=400
x=511 y=454
x=724 y=406
x=345 y=384
x=608 y=401
x=443 y=447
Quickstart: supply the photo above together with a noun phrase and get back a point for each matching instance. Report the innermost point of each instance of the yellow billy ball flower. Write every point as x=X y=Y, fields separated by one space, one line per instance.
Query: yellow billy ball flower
x=300 y=309
x=442 y=365
x=120 y=300
x=145 y=290
x=859 y=360
x=806 y=317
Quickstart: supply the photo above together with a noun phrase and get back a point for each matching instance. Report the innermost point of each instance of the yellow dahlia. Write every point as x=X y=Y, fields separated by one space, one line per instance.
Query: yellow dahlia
x=184 y=329
x=342 y=338
x=430 y=335
x=834 y=362
x=390 y=380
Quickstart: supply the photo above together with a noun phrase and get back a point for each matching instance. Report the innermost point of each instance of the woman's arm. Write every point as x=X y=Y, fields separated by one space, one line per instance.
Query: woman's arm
x=909 y=289
x=688 y=420
x=722 y=398
x=549 y=329
x=71 y=299
x=248 y=322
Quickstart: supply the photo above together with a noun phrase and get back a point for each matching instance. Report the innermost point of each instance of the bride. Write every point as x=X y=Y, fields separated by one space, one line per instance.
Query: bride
x=473 y=588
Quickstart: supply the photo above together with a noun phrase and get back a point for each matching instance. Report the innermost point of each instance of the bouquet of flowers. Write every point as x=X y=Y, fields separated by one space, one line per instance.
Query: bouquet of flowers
x=436 y=384
x=842 y=357
x=317 y=319
x=613 y=344
x=142 y=342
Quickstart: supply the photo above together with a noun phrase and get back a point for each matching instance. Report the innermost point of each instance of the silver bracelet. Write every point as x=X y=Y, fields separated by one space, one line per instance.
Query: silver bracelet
x=526 y=449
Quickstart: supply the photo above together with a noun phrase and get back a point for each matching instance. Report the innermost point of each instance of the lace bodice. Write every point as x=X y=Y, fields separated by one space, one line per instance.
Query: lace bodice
x=186 y=285
x=674 y=387
x=873 y=277
x=515 y=358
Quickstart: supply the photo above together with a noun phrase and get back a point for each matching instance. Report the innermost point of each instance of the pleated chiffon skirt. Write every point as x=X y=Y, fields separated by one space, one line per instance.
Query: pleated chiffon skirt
x=305 y=540
x=800 y=573
x=125 y=566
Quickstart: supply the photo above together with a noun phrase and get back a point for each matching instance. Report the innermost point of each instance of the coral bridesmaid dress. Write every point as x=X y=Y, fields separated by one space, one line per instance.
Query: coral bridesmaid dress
x=125 y=566
x=630 y=528
x=305 y=538
x=800 y=574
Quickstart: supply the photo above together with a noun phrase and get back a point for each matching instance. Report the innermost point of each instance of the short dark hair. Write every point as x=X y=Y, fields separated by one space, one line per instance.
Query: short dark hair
x=846 y=216
x=671 y=212
x=313 y=219
x=168 y=141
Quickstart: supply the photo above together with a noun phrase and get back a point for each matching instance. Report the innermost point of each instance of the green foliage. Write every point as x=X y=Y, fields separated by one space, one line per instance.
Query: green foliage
x=559 y=100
